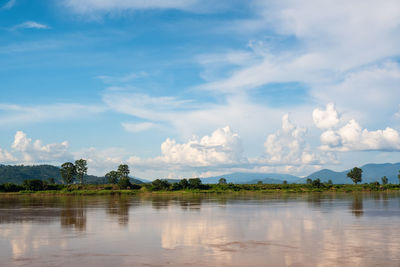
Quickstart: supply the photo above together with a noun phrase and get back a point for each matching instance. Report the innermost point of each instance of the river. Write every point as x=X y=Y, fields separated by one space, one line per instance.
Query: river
x=310 y=229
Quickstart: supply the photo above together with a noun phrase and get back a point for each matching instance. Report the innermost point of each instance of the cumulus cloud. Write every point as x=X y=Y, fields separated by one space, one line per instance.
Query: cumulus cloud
x=220 y=148
x=352 y=136
x=36 y=151
x=6 y=156
x=325 y=119
x=288 y=146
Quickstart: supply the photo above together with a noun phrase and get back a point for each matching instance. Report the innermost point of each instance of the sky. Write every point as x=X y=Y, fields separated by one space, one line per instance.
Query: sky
x=190 y=88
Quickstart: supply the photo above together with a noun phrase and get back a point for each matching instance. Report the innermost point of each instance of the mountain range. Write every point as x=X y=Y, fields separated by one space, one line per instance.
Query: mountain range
x=371 y=173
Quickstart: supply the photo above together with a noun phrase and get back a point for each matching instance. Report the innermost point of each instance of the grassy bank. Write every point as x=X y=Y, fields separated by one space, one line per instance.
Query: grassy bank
x=110 y=189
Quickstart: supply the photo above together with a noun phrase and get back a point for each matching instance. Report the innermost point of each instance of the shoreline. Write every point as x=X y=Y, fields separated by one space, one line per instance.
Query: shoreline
x=213 y=190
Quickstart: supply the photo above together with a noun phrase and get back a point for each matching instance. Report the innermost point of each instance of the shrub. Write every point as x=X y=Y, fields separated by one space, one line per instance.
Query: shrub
x=10 y=187
x=160 y=184
x=124 y=183
x=34 y=185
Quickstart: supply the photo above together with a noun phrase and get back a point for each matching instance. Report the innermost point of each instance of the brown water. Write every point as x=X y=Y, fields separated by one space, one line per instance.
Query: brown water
x=198 y=230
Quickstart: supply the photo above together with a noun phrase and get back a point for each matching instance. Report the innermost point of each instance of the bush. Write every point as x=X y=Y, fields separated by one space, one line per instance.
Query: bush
x=124 y=183
x=316 y=183
x=10 y=187
x=34 y=185
x=176 y=186
x=160 y=184
x=135 y=186
x=195 y=183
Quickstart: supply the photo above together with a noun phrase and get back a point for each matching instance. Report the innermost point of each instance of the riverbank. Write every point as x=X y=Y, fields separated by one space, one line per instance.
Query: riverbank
x=107 y=189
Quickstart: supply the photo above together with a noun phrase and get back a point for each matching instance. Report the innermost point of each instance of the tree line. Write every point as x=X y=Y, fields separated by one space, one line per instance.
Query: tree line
x=355 y=175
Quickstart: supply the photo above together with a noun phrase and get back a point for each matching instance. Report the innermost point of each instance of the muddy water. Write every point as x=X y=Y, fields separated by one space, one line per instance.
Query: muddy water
x=199 y=230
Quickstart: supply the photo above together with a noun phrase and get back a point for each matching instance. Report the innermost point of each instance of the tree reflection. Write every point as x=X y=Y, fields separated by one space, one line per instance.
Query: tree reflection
x=118 y=207
x=356 y=206
x=73 y=214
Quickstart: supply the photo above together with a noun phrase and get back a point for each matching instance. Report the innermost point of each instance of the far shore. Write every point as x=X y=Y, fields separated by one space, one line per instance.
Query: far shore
x=147 y=189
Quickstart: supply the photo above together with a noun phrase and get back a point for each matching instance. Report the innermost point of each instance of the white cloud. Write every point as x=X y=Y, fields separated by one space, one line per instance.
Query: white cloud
x=6 y=156
x=28 y=151
x=288 y=146
x=122 y=79
x=328 y=54
x=9 y=4
x=351 y=136
x=101 y=161
x=30 y=25
x=100 y=7
x=138 y=127
x=371 y=93
x=18 y=114
x=325 y=119
x=222 y=147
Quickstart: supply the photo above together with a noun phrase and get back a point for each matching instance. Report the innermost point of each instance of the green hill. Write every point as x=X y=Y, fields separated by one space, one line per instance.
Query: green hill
x=18 y=173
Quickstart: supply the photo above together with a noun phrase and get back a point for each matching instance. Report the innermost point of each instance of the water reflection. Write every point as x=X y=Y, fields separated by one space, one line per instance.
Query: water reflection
x=119 y=207
x=356 y=206
x=202 y=230
x=73 y=214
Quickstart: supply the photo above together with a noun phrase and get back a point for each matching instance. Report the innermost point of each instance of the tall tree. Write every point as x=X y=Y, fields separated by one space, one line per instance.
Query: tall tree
x=123 y=171
x=112 y=177
x=398 y=176
x=81 y=169
x=355 y=174
x=385 y=180
x=222 y=181
x=68 y=172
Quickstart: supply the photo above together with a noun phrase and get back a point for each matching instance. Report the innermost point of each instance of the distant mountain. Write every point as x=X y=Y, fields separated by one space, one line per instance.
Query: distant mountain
x=371 y=173
x=18 y=173
x=252 y=178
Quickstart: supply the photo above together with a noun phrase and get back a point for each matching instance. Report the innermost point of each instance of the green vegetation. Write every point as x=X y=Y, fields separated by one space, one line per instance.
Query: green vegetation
x=68 y=172
x=81 y=169
x=119 y=182
x=355 y=174
x=192 y=185
x=17 y=174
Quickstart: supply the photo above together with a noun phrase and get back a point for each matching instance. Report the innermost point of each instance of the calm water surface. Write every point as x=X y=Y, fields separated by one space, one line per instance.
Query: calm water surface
x=198 y=230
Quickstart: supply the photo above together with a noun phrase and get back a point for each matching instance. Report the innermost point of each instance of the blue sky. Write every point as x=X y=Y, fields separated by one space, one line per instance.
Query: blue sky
x=189 y=88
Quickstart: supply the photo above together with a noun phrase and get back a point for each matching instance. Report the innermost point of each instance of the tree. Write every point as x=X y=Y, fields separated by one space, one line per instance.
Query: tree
x=222 y=181
x=112 y=177
x=34 y=185
x=330 y=182
x=259 y=182
x=68 y=172
x=81 y=169
x=355 y=174
x=316 y=183
x=398 y=176
x=123 y=171
x=160 y=184
x=195 y=183
x=124 y=183
x=309 y=181
x=184 y=183
x=385 y=180
x=284 y=182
